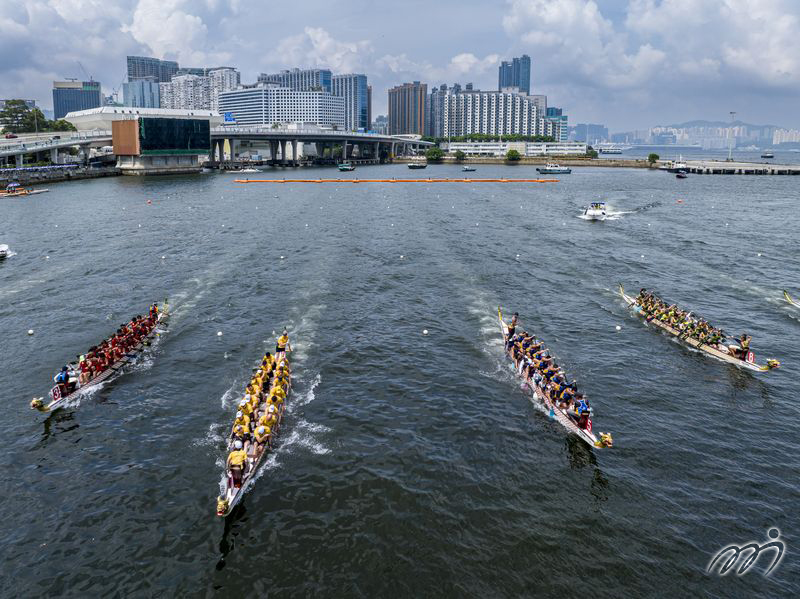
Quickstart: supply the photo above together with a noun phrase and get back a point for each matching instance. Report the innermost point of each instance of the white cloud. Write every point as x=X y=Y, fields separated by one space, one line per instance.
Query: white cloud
x=315 y=47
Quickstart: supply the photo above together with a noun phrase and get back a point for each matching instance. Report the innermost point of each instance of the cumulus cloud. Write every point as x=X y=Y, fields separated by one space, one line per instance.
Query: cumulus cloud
x=661 y=52
x=316 y=47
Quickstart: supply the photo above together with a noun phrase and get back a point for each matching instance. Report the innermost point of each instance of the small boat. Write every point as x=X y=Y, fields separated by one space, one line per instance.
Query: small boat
x=595 y=211
x=785 y=294
x=717 y=351
x=60 y=392
x=767 y=155
x=15 y=189
x=556 y=413
x=551 y=168
x=249 y=170
x=417 y=165
x=235 y=490
x=346 y=166
x=676 y=166
x=681 y=175
x=610 y=150
x=4 y=251
x=468 y=169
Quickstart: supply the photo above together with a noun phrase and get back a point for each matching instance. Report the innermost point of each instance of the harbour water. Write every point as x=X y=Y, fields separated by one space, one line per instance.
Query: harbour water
x=409 y=464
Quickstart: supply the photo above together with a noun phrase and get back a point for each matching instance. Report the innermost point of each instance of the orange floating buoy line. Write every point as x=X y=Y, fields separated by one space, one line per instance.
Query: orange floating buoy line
x=396 y=181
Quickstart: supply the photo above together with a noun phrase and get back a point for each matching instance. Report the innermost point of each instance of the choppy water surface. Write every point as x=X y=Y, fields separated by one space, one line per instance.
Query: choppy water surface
x=410 y=464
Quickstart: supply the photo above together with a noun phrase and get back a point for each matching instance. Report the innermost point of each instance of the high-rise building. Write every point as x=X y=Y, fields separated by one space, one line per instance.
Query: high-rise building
x=141 y=93
x=381 y=125
x=265 y=104
x=590 y=133
x=186 y=92
x=354 y=91
x=145 y=67
x=436 y=111
x=408 y=109
x=223 y=79
x=516 y=73
x=491 y=112
x=69 y=96
x=300 y=79
x=369 y=106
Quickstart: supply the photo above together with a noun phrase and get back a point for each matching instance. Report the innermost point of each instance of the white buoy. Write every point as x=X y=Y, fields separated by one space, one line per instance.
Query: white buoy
x=401 y=256
x=47 y=257
x=642 y=255
x=219 y=333
x=30 y=331
x=281 y=257
x=56 y=226
x=517 y=255
x=424 y=331
x=393 y=224
x=619 y=328
x=759 y=254
x=163 y=257
x=140 y=226
x=306 y=224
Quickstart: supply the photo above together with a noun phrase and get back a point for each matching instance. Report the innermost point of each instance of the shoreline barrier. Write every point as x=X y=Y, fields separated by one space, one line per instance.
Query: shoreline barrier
x=442 y=180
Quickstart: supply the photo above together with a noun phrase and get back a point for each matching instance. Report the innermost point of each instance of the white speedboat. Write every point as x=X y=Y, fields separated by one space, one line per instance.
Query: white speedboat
x=468 y=169
x=249 y=170
x=595 y=211
x=3 y=251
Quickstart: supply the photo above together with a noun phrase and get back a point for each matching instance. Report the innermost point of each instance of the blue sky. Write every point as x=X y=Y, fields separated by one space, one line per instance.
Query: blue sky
x=624 y=63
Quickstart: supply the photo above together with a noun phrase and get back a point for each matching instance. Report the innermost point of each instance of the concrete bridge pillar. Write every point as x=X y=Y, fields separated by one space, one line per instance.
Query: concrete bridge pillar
x=319 y=148
x=376 y=150
x=283 y=152
x=294 y=151
x=54 y=155
x=19 y=160
x=273 y=151
x=232 y=146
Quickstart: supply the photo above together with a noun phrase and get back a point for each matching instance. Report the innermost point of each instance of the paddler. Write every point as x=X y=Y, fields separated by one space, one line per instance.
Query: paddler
x=242 y=419
x=262 y=437
x=237 y=459
x=512 y=327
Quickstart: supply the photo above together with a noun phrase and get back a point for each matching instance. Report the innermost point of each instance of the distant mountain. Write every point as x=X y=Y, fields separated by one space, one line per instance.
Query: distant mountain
x=702 y=123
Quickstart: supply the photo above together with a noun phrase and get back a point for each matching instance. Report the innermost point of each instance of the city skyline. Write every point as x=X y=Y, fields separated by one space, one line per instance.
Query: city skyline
x=627 y=65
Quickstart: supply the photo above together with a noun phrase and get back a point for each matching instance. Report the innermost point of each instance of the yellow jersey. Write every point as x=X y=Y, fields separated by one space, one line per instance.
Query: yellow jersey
x=237 y=458
x=282 y=341
x=244 y=421
x=263 y=437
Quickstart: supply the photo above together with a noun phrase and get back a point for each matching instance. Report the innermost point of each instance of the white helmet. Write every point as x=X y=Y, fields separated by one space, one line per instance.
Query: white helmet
x=243 y=403
x=239 y=414
x=272 y=408
x=237 y=444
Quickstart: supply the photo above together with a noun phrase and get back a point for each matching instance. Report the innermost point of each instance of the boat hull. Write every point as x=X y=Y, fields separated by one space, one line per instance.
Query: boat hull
x=554 y=171
x=234 y=495
x=693 y=343
x=540 y=397
x=59 y=400
x=790 y=299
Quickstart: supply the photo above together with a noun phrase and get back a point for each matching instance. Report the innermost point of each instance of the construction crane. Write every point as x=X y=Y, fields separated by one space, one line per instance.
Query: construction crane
x=84 y=71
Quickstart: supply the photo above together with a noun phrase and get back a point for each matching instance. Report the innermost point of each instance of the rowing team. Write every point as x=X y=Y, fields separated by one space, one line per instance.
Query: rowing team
x=690 y=326
x=259 y=412
x=538 y=368
x=100 y=357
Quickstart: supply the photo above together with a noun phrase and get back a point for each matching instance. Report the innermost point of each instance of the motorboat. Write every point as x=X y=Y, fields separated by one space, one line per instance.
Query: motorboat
x=249 y=170
x=767 y=155
x=676 y=166
x=346 y=166
x=3 y=251
x=595 y=211
x=610 y=150
x=417 y=165
x=551 y=168
x=681 y=175
x=468 y=169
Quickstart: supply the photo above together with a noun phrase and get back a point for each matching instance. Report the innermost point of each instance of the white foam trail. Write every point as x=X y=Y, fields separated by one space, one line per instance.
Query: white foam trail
x=226 y=401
